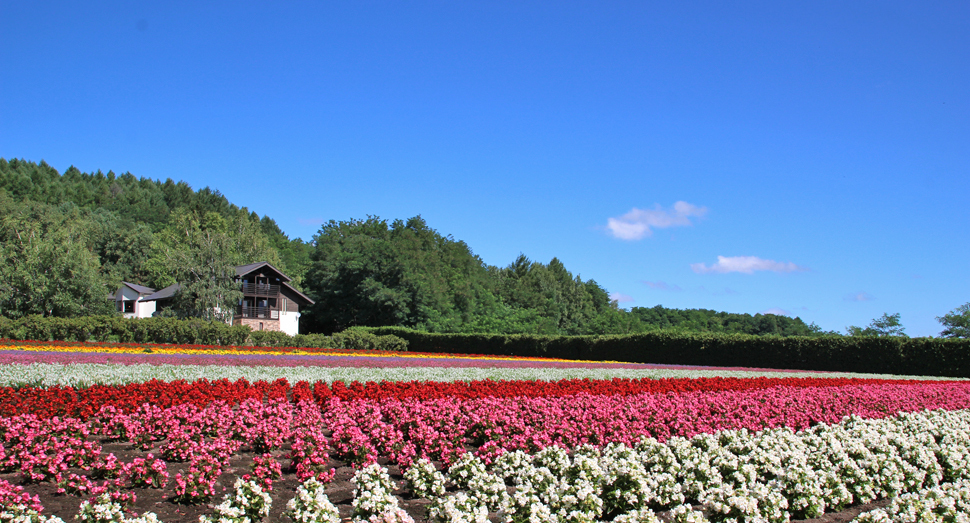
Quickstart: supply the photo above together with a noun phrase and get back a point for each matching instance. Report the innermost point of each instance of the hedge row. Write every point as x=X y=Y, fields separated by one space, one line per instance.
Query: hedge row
x=184 y=332
x=892 y=355
x=916 y=356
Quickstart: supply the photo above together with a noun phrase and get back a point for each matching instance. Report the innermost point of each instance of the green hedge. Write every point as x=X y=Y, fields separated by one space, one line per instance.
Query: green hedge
x=894 y=355
x=916 y=356
x=185 y=332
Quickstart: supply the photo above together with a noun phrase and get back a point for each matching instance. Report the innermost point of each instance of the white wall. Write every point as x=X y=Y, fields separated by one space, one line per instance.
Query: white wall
x=143 y=309
x=290 y=322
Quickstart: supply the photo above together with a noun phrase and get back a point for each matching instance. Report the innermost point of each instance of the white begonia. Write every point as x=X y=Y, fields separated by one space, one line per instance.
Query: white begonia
x=459 y=508
x=949 y=502
x=512 y=465
x=686 y=514
x=311 y=504
x=425 y=480
x=20 y=513
x=554 y=458
x=465 y=468
x=643 y=515
x=373 y=493
x=104 y=510
x=247 y=503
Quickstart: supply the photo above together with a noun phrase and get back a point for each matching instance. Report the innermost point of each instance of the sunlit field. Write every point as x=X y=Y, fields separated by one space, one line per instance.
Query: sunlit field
x=136 y=432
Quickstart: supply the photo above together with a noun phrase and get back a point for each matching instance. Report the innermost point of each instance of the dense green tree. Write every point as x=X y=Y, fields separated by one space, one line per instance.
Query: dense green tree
x=885 y=325
x=705 y=320
x=47 y=266
x=367 y=272
x=200 y=251
x=957 y=322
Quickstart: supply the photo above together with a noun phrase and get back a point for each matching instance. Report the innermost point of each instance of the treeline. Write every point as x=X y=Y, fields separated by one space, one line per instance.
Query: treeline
x=68 y=240
x=403 y=273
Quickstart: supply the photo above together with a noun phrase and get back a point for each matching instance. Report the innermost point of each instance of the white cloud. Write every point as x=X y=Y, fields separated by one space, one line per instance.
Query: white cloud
x=745 y=264
x=776 y=311
x=637 y=223
x=620 y=298
x=662 y=286
x=861 y=296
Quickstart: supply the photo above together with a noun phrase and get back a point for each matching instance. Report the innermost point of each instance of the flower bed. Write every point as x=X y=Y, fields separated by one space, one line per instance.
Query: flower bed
x=85 y=401
x=297 y=444
x=491 y=462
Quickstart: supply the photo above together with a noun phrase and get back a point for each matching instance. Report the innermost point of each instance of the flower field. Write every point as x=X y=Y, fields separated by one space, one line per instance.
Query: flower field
x=125 y=433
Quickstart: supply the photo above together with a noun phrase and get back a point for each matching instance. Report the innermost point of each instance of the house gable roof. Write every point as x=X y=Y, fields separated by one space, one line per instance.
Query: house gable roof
x=242 y=270
x=300 y=294
x=167 y=292
x=140 y=289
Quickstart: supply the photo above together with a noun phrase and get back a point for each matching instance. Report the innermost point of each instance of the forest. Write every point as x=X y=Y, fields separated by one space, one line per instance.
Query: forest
x=68 y=240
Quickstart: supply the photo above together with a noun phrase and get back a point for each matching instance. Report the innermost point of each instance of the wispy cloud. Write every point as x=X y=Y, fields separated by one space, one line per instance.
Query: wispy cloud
x=639 y=223
x=859 y=296
x=776 y=311
x=661 y=286
x=746 y=265
x=620 y=298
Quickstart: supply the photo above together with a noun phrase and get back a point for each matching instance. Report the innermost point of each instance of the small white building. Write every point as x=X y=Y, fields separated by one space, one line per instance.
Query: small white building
x=269 y=302
x=130 y=300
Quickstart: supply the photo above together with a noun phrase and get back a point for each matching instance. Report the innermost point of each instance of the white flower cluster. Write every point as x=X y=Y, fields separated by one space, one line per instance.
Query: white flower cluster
x=21 y=513
x=248 y=503
x=730 y=476
x=944 y=503
x=425 y=480
x=480 y=492
x=374 y=500
x=311 y=504
x=104 y=510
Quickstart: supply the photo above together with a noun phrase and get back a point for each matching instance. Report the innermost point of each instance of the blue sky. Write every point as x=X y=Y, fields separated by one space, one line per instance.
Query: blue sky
x=805 y=157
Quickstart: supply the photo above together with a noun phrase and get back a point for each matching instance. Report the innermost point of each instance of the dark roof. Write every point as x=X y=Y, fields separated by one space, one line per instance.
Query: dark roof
x=304 y=296
x=140 y=289
x=243 y=270
x=167 y=292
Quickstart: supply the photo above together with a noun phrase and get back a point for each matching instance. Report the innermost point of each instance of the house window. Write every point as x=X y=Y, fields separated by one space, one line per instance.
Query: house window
x=129 y=306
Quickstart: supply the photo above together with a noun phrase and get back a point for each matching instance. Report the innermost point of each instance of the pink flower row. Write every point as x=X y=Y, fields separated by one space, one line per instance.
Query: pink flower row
x=405 y=430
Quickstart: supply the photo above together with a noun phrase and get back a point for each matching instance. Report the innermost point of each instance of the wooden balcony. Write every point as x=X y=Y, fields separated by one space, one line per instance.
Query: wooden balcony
x=260 y=289
x=269 y=313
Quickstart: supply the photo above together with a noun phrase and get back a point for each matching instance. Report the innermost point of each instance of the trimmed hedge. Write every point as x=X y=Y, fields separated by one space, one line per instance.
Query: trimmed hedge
x=915 y=356
x=892 y=355
x=183 y=332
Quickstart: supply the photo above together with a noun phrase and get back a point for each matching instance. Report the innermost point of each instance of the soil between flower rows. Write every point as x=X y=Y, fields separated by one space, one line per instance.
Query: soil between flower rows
x=340 y=490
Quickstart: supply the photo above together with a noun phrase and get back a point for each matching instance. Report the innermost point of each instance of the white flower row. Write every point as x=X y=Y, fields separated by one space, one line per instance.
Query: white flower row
x=731 y=476
x=948 y=502
x=86 y=374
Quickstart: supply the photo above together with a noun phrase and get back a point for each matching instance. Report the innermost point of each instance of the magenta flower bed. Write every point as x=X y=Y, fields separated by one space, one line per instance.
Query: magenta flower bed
x=404 y=430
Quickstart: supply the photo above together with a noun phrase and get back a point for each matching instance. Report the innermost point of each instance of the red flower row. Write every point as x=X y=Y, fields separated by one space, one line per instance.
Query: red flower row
x=84 y=402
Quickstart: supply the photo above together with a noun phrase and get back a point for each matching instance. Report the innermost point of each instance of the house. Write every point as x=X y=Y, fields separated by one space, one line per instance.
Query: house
x=269 y=302
x=131 y=300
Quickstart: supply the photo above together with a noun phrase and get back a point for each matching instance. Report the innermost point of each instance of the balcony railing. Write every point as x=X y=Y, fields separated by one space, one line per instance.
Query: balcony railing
x=268 y=313
x=260 y=289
